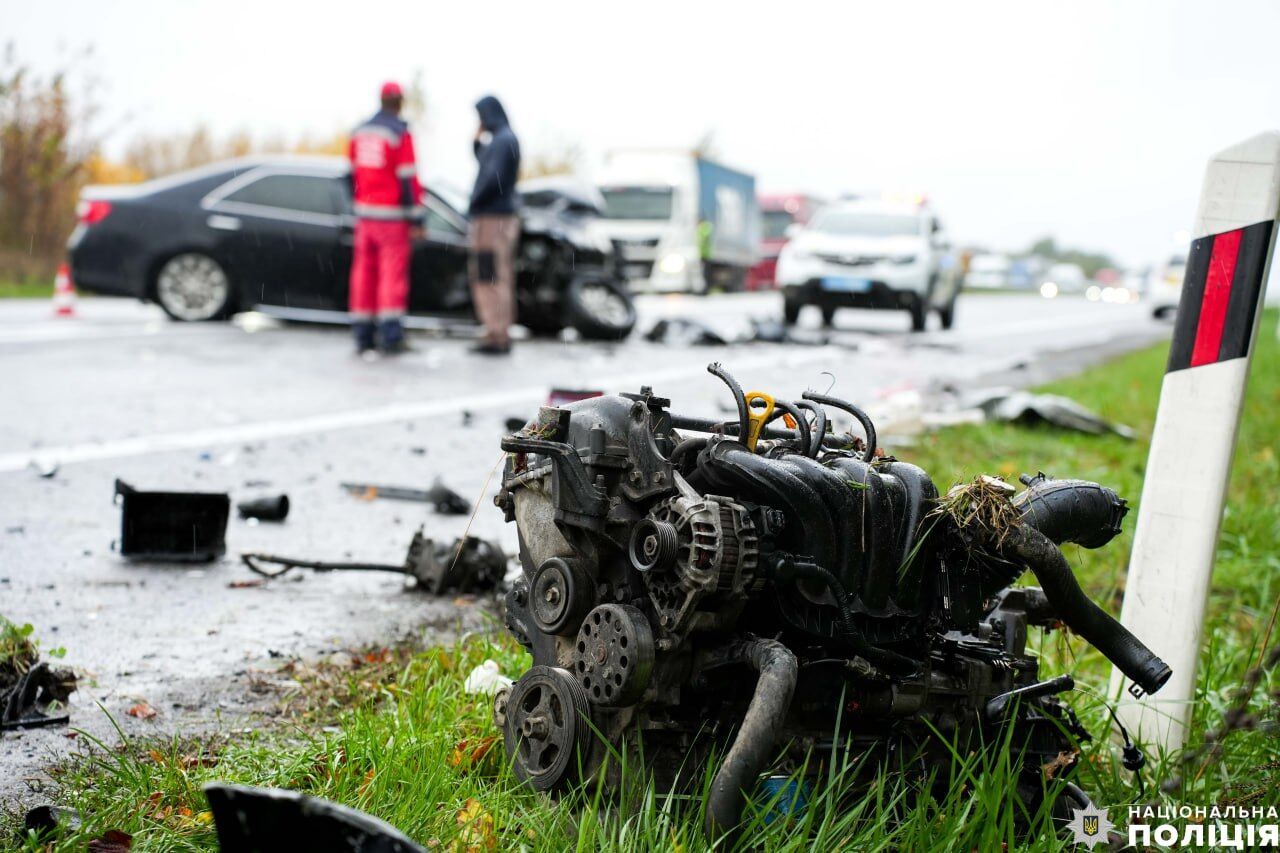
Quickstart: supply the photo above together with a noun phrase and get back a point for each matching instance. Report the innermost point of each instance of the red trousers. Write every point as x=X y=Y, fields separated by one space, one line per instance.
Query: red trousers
x=380 y=270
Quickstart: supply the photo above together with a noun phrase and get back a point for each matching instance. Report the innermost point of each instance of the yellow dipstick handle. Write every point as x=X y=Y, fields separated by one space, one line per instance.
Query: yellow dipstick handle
x=757 y=416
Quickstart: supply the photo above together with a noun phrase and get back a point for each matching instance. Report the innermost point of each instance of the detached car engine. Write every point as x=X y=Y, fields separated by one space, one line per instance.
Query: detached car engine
x=767 y=590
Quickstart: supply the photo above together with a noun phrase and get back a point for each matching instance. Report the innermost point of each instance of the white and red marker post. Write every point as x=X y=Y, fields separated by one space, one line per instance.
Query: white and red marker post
x=1194 y=437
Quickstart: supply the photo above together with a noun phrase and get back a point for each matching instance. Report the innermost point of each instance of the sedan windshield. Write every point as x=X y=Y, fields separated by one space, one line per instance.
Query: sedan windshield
x=637 y=202
x=853 y=223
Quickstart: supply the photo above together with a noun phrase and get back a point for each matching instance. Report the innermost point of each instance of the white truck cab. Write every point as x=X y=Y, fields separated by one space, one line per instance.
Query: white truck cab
x=871 y=253
x=679 y=222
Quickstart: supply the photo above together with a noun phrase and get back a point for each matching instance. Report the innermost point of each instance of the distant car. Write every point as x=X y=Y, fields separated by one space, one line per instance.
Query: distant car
x=276 y=234
x=778 y=213
x=1164 y=287
x=870 y=254
x=989 y=272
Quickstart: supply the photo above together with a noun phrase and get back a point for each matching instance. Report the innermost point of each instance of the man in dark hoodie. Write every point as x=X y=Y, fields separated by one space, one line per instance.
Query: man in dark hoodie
x=494 y=226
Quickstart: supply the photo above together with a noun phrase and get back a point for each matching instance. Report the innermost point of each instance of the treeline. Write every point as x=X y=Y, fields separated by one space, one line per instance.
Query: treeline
x=50 y=150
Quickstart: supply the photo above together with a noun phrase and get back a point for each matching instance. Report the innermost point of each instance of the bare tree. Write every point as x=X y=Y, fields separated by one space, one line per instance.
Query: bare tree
x=46 y=144
x=563 y=158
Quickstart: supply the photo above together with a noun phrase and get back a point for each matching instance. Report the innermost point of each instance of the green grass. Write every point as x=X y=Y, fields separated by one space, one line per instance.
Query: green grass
x=26 y=289
x=397 y=737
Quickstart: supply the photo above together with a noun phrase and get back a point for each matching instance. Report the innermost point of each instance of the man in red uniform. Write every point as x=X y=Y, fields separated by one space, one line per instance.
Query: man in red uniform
x=388 y=209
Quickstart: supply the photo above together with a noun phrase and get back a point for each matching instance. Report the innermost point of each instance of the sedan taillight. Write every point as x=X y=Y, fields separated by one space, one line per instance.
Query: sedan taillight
x=89 y=212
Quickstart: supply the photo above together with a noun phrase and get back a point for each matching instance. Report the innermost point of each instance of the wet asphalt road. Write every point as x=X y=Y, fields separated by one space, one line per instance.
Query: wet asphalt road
x=257 y=408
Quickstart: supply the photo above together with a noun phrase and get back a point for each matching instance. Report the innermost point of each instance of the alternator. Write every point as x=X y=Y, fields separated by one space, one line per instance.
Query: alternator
x=690 y=547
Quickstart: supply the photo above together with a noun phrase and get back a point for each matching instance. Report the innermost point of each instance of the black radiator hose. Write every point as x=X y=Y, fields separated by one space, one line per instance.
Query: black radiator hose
x=1071 y=510
x=753 y=746
x=1028 y=546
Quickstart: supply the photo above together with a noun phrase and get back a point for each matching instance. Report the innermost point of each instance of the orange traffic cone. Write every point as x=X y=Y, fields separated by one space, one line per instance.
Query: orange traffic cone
x=64 y=293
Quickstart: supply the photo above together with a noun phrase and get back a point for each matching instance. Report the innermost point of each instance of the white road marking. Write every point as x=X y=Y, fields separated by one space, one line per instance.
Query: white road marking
x=201 y=438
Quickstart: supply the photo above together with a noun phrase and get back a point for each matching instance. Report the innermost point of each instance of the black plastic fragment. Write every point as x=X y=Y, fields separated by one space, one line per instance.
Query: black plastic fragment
x=273 y=508
x=266 y=820
x=172 y=526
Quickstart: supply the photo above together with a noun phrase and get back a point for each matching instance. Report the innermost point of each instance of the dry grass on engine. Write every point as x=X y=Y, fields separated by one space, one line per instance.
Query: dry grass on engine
x=982 y=505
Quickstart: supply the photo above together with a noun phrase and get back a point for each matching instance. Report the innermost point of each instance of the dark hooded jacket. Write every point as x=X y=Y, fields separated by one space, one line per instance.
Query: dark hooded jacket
x=495 y=189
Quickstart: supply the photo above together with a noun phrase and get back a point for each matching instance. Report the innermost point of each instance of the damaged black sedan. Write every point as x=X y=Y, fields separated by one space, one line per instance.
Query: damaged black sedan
x=275 y=234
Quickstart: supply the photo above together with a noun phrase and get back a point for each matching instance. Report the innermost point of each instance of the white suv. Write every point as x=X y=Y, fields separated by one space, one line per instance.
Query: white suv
x=870 y=254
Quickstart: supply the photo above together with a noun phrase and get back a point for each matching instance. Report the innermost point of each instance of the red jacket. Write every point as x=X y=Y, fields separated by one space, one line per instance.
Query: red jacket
x=383 y=171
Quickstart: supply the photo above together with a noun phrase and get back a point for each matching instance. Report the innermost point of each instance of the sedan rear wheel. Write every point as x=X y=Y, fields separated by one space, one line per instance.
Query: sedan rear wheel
x=193 y=287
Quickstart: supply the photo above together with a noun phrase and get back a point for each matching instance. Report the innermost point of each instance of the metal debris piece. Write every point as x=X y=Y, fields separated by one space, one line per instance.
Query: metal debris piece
x=681 y=331
x=1025 y=407
x=250 y=820
x=46 y=468
x=444 y=499
x=35 y=698
x=172 y=526
x=468 y=564
x=273 y=508
x=42 y=820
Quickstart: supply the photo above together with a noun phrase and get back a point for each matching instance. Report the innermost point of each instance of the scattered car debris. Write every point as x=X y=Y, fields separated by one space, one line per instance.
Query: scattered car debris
x=486 y=679
x=682 y=331
x=444 y=499
x=686 y=331
x=466 y=565
x=1025 y=407
x=774 y=331
x=253 y=819
x=251 y=583
x=172 y=526
x=274 y=508
x=47 y=469
x=33 y=694
x=49 y=819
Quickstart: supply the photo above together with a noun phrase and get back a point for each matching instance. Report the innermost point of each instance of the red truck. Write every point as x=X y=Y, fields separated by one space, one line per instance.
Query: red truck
x=778 y=212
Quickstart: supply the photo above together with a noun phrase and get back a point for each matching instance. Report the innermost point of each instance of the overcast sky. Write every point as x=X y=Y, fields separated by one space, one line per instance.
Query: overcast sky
x=1090 y=121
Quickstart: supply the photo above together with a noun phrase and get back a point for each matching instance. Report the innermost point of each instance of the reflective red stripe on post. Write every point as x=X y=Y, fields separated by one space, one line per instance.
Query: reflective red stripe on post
x=1220 y=296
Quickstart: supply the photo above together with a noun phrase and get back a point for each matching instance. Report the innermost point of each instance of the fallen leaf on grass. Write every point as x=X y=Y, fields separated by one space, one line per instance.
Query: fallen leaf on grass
x=469 y=752
x=112 y=841
x=1064 y=760
x=142 y=711
x=476 y=829
x=368 y=780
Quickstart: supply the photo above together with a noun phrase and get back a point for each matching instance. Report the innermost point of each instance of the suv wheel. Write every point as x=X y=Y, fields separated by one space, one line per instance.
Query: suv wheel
x=790 y=311
x=947 y=313
x=919 y=314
